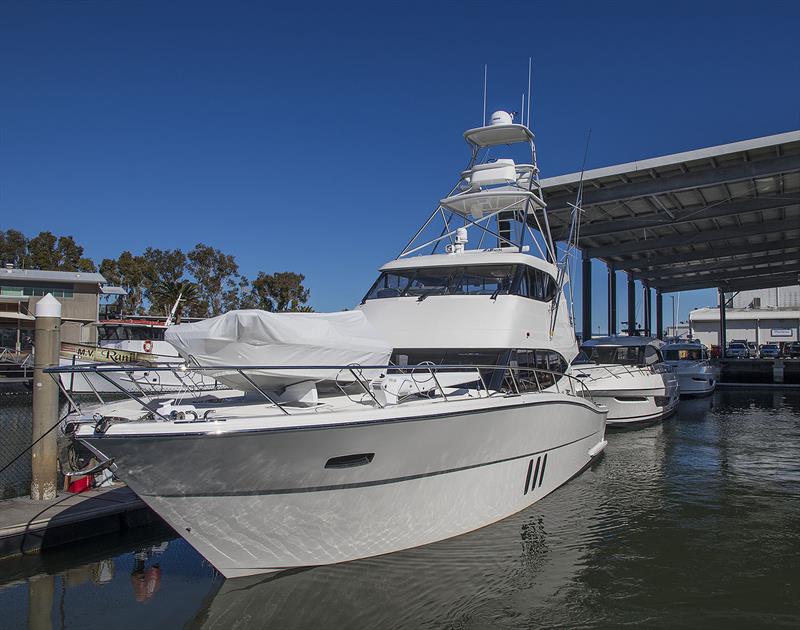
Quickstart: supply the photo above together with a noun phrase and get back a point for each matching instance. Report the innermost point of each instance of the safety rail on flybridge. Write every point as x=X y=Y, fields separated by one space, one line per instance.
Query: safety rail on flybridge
x=396 y=384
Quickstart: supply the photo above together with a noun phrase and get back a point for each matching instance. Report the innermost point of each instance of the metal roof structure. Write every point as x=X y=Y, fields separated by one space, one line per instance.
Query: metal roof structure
x=726 y=216
x=37 y=275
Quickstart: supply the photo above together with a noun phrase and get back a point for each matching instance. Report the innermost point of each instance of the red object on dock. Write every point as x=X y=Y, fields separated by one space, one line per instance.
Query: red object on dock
x=81 y=484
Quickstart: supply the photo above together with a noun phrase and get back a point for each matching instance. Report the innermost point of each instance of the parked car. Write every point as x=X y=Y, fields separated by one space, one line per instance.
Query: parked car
x=752 y=348
x=737 y=350
x=770 y=351
x=792 y=350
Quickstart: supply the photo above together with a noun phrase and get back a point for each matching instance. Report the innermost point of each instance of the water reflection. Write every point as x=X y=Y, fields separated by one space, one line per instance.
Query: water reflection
x=693 y=521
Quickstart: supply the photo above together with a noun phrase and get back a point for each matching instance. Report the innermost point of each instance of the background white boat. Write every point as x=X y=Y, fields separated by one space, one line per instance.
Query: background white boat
x=628 y=376
x=690 y=361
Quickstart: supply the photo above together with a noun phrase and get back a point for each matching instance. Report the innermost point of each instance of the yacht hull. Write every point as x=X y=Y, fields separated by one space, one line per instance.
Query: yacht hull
x=632 y=398
x=259 y=501
x=696 y=381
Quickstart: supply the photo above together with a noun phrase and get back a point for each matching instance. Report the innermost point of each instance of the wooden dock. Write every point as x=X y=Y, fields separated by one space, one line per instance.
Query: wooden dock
x=28 y=527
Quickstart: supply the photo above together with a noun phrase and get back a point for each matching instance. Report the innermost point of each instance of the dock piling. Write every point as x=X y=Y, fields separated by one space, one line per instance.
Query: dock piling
x=44 y=453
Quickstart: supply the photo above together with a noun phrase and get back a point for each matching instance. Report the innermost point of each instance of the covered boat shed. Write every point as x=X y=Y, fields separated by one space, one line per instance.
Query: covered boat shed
x=726 y=217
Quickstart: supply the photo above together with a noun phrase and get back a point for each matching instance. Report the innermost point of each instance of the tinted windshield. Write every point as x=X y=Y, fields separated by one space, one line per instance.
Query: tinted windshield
x=692 y=354
x=465 y=280
x=619 y=355
x=737 y=346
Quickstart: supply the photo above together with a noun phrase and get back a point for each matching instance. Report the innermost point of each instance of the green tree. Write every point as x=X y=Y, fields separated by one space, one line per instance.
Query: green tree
x=13 y=247
x=163 y=266
x=218 y=280
x=166 y=293
x=281 y=292
x=131 y=273
x=70 y=256
x=62 y=253
x=42 y=252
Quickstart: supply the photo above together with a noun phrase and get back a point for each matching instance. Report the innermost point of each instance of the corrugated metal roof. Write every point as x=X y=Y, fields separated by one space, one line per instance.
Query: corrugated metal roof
x=725 y=216
x=51 y=276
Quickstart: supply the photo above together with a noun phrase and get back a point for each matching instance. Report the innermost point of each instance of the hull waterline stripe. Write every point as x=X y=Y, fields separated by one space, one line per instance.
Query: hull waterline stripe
x=361 y=484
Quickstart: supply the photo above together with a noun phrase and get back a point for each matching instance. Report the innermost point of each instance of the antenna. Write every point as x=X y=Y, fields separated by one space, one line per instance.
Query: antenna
x=485 y=78
x=530 y=64
x=522 y=110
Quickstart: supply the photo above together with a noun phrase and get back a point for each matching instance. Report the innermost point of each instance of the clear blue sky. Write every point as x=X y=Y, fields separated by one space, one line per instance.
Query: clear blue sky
x=315 y=138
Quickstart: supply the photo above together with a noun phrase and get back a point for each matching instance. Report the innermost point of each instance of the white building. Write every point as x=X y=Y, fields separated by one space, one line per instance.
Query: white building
x=761 y=316
x=777 y=297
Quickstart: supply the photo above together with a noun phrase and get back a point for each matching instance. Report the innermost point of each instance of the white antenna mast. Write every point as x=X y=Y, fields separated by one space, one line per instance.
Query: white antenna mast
x=530 y=63
x=522 y=110
x=485 y=78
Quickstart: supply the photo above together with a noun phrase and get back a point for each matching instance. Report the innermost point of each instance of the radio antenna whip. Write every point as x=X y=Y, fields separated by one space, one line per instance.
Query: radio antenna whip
x=485 y=79
x=530 y=65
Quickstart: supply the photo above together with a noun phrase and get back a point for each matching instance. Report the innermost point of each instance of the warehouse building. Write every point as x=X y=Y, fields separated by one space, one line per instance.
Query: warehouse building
x=761 y=316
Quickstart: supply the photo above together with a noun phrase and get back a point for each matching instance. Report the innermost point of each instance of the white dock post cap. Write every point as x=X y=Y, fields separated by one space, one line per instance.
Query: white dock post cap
x=48 y=306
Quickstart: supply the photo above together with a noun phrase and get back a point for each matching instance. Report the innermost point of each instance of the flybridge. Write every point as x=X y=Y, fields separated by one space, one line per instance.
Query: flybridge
x=494 y=197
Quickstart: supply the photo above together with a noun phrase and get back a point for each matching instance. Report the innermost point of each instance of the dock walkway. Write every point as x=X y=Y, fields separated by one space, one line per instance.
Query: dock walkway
x=28 y=526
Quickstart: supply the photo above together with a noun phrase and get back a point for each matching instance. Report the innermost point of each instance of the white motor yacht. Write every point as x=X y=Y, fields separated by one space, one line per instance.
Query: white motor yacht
x=467 y=418
x=691 y=363
x=628 y=375
x=131 y=342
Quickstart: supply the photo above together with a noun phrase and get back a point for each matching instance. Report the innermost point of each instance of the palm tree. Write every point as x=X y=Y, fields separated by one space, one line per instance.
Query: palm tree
x=168 y=295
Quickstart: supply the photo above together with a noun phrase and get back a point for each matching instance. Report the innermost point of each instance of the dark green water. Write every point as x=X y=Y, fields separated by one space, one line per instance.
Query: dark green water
x=691 y=523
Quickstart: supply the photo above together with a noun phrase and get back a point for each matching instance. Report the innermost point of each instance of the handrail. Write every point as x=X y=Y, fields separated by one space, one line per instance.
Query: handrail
x=551 y=377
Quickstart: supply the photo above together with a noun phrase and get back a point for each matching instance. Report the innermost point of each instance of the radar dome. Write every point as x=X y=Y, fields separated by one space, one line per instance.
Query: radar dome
x=501 y=118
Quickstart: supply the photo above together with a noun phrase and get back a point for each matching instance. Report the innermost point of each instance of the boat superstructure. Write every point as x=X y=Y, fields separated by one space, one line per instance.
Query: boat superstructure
x=691 y=363
x=471 y=420
x=134 y=342
x=628 y=375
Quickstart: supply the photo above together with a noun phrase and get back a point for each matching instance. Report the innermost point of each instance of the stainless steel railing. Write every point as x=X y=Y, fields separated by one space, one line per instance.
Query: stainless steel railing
x=491 y=380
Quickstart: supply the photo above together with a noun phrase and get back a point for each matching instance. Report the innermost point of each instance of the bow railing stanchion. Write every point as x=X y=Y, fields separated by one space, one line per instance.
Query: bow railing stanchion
x=510 y=369
x=262 y=392
x=483 y=384
x=364 y=387
x=438 y=384
x=131 y=395
x=136 y=384
x=93 y=388
x=536 y=378
x=73 y=404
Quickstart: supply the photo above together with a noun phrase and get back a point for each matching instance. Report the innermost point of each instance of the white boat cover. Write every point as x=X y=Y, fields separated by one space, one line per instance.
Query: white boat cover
x=254 y=337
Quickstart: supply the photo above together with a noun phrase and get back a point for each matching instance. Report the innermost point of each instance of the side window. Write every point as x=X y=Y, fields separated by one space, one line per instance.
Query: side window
x=537 y=284
x=651 y=355
x=523 y=285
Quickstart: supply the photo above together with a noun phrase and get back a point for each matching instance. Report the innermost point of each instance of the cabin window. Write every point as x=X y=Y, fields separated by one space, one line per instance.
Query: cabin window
x=535 y=284
x=651 y=355
x=685 y=354
x=491 y=280
x=617 y=355
x=549 y=365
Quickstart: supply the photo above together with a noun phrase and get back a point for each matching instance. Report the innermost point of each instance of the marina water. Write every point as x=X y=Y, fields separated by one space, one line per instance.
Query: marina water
x=692 y=522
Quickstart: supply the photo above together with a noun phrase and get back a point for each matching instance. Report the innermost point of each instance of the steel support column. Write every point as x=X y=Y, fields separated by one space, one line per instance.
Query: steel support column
x=631 y=305
x=612 y=300
x=659 y=314
x=723 y=324
x=648 y=309
x=586 y=301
